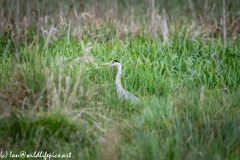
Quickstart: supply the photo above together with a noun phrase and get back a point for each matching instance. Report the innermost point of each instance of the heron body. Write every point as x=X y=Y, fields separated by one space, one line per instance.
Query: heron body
x=121 y=92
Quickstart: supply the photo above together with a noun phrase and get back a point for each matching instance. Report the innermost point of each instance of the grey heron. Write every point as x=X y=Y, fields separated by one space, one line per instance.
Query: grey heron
x=121 y=92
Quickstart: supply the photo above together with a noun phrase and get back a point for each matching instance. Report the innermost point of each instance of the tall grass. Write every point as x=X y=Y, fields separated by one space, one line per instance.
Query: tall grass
x=55 y=97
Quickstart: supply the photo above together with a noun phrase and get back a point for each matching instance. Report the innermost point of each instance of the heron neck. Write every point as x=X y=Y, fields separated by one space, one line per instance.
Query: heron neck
x=118 y=78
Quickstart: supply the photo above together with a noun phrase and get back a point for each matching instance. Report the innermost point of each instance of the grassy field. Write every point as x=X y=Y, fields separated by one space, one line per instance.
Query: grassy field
x=55 y=97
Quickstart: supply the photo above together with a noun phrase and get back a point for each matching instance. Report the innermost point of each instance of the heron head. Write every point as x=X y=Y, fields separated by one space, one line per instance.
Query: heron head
x=111 y=63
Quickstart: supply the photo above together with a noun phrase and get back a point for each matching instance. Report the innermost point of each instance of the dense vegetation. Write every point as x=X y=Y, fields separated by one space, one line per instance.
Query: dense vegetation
x=56 y=98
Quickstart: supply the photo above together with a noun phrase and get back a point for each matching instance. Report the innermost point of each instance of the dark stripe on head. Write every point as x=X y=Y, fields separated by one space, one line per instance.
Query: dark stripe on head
x=115 y=61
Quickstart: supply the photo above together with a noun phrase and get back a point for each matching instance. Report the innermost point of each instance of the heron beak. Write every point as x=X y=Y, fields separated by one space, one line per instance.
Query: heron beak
x=106 y=64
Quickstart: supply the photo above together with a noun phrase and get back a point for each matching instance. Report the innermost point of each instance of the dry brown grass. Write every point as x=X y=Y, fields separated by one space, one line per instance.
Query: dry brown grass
x=110 y=145
x=20 y=19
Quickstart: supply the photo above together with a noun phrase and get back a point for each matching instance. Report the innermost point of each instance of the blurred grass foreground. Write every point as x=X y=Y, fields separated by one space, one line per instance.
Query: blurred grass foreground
x=181 y=58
